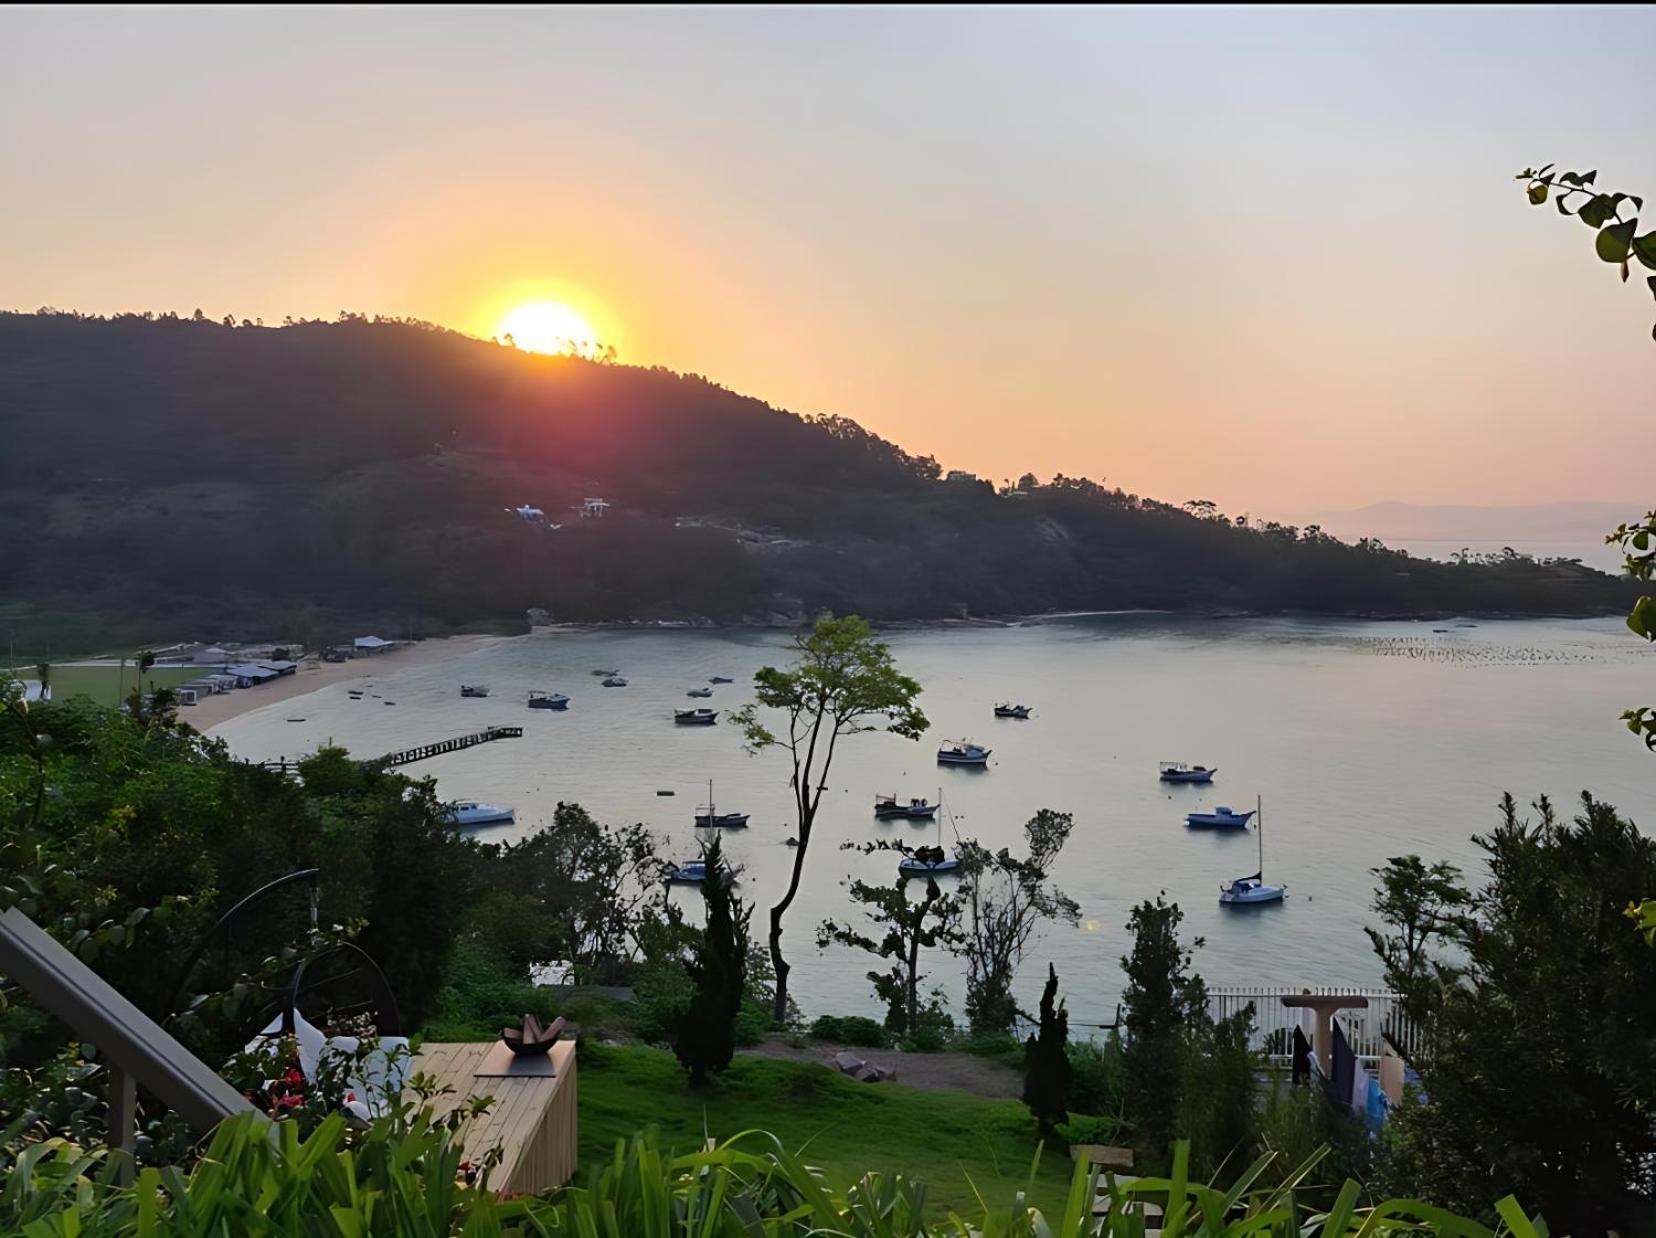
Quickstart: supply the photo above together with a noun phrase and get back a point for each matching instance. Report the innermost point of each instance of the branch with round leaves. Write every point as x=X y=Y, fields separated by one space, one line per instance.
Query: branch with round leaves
x=1615 y=239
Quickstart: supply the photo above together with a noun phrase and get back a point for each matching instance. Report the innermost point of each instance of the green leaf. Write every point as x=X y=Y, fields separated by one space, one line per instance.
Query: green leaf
x=1537 y=194
x=1614 y=241
x=1597 y=210
x=1644 y=249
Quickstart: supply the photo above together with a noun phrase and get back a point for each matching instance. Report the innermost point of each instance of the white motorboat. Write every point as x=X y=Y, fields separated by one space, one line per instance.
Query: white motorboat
x=962 y=752
x=1252 y=891
x=1178 y=771
x=548 y=700
x=470 y=812
x=701 y=716
x=692 y=873
x=614 y=681
x=1222 y=817
x=700 y=692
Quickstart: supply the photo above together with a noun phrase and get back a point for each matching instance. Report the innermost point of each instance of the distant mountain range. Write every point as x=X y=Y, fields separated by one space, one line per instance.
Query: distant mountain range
x=166 y=478
x=1575 y=522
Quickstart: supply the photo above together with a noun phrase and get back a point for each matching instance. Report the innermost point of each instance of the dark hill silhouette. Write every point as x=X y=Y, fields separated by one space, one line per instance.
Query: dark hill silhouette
x=223 y=480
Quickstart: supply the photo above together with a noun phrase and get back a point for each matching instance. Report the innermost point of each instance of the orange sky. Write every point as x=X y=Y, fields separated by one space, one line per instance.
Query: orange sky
x=1270 y=258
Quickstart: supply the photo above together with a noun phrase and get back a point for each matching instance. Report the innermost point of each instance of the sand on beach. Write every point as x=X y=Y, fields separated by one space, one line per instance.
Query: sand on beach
x=313 y=673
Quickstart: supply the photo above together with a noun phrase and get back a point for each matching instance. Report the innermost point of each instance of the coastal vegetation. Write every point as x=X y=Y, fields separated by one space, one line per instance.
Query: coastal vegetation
x=185 y=477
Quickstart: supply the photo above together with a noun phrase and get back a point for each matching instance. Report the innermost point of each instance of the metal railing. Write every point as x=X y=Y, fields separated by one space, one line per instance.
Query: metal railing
x=1274 y=1023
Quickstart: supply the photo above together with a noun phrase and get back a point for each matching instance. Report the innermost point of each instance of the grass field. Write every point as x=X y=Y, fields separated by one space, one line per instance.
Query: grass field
x=950 y=1140
x=102 y=683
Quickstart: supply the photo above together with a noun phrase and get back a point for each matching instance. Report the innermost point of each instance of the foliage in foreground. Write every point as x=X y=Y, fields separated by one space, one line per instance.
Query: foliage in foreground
x=411 y=1180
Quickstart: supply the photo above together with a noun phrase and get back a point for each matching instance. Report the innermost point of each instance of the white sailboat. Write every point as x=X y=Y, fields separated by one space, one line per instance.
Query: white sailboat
x=928 y=861
x=1249 y=891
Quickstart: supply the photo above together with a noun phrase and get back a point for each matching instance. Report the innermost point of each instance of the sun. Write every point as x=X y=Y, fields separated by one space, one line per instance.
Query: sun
x=549 y=327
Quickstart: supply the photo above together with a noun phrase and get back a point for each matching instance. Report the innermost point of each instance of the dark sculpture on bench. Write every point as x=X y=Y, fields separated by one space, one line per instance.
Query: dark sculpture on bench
x=533 y=1038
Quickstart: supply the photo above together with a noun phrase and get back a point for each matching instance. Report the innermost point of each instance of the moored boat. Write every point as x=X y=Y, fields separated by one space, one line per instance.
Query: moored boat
x=470 y=812
x=709 y=817
x=962 y=752
x=693 y=872
x=1253 y=891
x=1222 y=817
x=474 y=689
x=1178 y=771
x=700 y=716
x=615 y=681
x=720 y=679
x=1020 y=712
x=548 y=700
x=927 y=860
x=700 y=692
x=915 y=809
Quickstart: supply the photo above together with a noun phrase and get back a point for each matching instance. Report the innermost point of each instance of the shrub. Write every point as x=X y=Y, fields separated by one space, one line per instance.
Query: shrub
x=1085 y=1128
x=854 y=1029
x=1097 y=1079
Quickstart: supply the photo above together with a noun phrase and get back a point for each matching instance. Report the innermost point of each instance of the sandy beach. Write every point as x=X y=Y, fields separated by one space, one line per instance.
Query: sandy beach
x=313 y=673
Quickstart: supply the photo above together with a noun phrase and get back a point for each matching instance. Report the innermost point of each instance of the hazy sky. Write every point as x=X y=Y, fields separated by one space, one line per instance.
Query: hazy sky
x=1274 y=258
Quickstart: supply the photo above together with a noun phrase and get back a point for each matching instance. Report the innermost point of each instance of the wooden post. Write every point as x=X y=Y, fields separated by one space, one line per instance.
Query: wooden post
x=1325 y=1006
x=123 y=1122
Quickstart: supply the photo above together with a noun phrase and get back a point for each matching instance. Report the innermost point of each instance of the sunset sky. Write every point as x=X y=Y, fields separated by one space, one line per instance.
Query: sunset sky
x=1275 y=259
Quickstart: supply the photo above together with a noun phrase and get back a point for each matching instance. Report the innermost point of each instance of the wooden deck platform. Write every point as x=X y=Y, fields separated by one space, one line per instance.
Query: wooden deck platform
x=532 y=1121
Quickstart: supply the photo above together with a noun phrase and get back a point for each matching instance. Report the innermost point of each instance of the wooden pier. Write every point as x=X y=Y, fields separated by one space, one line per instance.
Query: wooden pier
x=410 y=755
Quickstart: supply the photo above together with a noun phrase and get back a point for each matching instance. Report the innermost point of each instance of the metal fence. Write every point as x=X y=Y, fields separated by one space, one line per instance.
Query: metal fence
x=1274 y=1023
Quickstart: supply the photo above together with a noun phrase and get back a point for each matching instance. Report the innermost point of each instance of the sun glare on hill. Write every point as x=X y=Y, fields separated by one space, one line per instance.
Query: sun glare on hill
x=549 y=327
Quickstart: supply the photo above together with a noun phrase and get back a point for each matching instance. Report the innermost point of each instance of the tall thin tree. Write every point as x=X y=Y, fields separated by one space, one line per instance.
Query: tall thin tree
x=842 y=682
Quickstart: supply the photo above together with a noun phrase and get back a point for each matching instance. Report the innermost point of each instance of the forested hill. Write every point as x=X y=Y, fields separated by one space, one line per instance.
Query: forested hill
x=230 y=480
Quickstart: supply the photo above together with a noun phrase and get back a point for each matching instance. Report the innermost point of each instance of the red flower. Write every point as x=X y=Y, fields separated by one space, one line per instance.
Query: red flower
x=294 y=1076
x=291 y=1101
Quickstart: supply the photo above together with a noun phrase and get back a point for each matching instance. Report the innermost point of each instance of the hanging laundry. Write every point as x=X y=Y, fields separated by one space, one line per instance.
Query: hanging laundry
x=1302 y=1057
x=1343 y=1069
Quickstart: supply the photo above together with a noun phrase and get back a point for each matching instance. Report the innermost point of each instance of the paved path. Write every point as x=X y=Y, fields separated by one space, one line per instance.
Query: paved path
x=954 y=1072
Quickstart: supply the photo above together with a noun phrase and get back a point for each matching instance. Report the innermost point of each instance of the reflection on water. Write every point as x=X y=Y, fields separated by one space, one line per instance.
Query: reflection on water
x=1365 y=740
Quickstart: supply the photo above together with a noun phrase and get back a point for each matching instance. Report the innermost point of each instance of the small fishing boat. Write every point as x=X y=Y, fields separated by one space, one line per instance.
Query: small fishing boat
x=708 y=817
x=700 y=716
x=548 y=700
x=602 y=673
x=699 y=692
x=692 y=873
x=1220 y=818
x=474 y=689
x=1178 y=771
x=887 y=807
x=962 y=752
x=470 y=812
x=615 y=681
x=720 y=679
x=1252 y=891
x=1012 y=711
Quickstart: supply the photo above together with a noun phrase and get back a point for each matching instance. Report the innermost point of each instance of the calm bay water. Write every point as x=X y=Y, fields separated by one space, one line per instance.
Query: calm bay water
x=1366 y=740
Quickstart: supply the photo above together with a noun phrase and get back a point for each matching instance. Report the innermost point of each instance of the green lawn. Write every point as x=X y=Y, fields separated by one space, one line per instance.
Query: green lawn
x=102 y=683
x=950 y=1140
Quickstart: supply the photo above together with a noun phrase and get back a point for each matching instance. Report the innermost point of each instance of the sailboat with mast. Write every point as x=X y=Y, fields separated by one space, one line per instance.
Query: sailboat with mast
x=1249 y=891
x=711 y=818
x=928 y=861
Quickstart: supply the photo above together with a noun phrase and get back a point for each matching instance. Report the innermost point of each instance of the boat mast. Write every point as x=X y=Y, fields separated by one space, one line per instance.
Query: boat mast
x=1259 y=828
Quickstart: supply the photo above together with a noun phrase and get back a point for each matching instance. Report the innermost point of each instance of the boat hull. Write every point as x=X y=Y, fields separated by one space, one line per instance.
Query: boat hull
x=723 y=821
x=1188 y=775
x=481 y=816
x=1259 y=896
x=919 y=868
x=1212 y=821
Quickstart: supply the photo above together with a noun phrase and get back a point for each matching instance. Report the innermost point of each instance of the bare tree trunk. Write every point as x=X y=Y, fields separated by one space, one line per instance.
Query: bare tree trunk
x=778 y=963
x=913 y=983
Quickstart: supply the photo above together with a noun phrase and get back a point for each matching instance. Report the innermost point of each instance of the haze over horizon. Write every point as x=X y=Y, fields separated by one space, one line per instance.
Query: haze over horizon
x=1276 y=259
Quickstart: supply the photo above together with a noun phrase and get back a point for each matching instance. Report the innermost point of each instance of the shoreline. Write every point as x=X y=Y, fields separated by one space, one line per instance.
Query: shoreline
x=313 y=674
